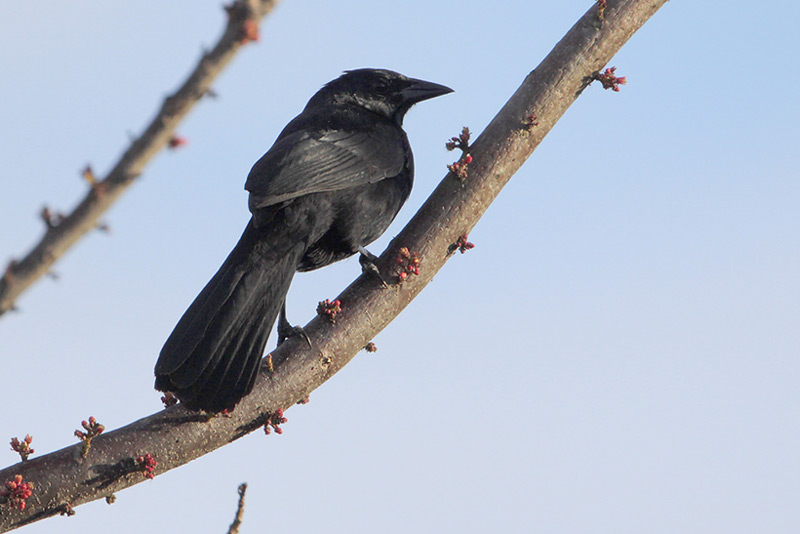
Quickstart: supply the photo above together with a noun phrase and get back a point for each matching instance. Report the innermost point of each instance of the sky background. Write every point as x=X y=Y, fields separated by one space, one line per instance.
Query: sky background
x=618 y=353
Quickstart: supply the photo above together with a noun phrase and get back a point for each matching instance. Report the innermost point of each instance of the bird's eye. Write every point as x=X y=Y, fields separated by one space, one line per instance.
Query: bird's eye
x=382 y=87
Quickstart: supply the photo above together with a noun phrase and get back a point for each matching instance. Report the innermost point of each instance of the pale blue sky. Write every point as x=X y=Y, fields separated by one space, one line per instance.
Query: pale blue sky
x=618 y=353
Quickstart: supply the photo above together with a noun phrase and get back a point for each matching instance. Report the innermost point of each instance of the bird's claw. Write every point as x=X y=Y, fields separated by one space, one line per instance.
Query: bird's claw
x=369 y=265
x=292 y=331
x=286 y=330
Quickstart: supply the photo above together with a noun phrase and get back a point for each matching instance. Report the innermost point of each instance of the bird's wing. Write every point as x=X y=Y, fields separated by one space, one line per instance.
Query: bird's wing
x=302 y=163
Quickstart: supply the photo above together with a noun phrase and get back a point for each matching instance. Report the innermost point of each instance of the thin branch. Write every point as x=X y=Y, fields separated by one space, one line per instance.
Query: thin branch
x=243 y=18
x=176 y=435
x=237 y=520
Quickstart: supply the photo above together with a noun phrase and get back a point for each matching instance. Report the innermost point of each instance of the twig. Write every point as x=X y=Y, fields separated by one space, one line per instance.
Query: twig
x=243 y=16
x=176 y=436
x=237 y=520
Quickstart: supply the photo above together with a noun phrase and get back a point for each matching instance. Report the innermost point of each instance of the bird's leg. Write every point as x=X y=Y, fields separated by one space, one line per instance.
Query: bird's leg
x=369 y=264
x=286 y=330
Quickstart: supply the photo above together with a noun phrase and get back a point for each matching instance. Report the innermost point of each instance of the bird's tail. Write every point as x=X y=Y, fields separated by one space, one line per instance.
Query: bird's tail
x=211 y=359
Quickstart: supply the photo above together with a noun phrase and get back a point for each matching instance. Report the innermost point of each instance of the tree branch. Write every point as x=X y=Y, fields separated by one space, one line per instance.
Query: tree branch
x=237 y=519
x=176 y=436
x=61 y=234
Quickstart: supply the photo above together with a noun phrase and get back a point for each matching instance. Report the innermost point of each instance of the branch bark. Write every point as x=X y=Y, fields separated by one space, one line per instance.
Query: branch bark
x=175 y=436
x=243 y=18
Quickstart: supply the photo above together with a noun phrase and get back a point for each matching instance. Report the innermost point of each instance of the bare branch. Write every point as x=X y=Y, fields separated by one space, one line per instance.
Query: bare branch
x=63 y=231
x=176 y=436
x=237 y=520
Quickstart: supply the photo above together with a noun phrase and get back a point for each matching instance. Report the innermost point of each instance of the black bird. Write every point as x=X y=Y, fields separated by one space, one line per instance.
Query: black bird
x=331 y=184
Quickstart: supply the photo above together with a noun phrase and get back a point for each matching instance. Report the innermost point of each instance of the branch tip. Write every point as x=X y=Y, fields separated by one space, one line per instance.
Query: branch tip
x=93 y=429
x=237 y=520
x=461 y=244
x=609 y=79
x=274 y=420
x=51 y=219
x=23 y=448
x=177 y=141
x=459 y=168
x=407 y=263
x=88 y=175
x=329 y=309
x=461 y=142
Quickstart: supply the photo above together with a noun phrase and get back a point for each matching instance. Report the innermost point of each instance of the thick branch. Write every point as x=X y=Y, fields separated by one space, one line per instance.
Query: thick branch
x=243 y=17
x=175 y=436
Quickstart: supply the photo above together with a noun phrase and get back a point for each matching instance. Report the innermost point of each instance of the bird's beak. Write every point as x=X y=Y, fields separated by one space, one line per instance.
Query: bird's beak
x=419 y=90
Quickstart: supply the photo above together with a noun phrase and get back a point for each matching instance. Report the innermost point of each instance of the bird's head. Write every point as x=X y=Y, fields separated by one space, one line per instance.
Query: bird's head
x=381 y=91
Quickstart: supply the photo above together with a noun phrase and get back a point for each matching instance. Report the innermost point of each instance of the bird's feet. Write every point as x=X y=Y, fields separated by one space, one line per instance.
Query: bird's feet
x=369 y=264
x=286 y=330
